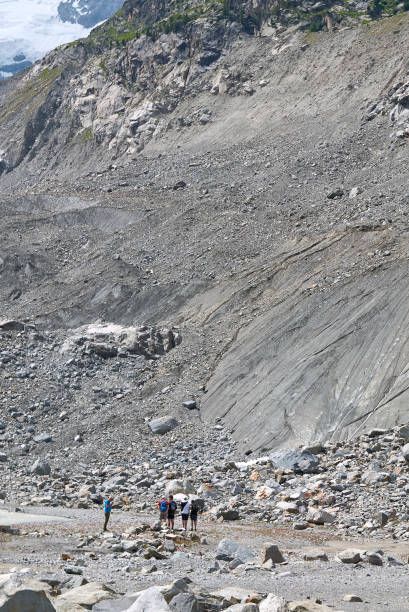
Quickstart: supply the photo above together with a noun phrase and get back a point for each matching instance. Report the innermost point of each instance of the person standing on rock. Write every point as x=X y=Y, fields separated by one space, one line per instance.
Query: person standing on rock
x=107 y=511
x=163 y=509
x=172 y=506
x=194 y=509
x=185 y=508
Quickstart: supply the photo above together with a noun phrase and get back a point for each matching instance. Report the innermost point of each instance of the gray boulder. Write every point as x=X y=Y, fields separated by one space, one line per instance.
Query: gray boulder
x=11 y=325
x=271 y=552
x=184 y=602
x=228 y=550
x=319 y=517
x=228 y=514
x=43 y=438
x=163 y=424
x=28 y=601
x=300 y=462
x=371 y=477
x=403 y=431
x=41 y=467
x=405 y=452
x=350 y=555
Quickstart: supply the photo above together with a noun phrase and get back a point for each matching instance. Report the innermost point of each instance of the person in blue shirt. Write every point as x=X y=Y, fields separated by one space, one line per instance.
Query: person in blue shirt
x=107 y=511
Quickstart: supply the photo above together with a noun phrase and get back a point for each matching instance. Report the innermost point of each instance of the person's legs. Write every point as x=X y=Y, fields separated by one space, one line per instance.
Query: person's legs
x=107 y=515
x=172 y=523
x=194 y=523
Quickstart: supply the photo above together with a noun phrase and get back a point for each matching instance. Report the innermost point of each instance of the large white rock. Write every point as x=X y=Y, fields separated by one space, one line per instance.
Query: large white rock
x=87 y=595
x=179 y=486
x=150 y=600
x=273 y=603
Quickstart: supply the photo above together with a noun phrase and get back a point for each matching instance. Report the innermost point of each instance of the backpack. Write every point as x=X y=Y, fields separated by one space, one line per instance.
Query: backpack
x=163 y=505
x=172 y=506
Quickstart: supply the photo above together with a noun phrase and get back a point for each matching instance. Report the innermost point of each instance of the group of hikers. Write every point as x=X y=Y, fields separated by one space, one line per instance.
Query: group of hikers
x=167 y=511
x=168 y=508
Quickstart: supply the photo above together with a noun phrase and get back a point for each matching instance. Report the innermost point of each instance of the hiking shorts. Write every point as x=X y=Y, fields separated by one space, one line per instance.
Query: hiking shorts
x=163 y=515
x=185 y=517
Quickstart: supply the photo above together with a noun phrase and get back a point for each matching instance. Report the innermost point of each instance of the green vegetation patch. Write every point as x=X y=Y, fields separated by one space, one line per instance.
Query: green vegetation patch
x=32 y=95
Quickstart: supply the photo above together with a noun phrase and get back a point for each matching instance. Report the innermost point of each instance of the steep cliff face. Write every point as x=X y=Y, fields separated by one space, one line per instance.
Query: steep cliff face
x=107 y=96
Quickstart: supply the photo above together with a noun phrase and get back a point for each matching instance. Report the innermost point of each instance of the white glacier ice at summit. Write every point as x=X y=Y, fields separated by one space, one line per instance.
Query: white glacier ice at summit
x=31 y=28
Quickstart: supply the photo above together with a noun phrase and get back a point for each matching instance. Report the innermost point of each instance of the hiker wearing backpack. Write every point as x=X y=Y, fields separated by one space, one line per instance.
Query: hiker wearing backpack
x=163 y=509
x=172 y=506
x=194 y=509
x=185 y=508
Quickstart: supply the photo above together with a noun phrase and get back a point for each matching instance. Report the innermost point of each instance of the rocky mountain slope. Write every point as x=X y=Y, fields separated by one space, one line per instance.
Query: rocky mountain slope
x=233 y=175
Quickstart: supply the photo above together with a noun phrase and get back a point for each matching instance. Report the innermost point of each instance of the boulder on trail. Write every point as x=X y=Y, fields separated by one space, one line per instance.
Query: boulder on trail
x=27 y=600
x=271 y=552
x=350 y=555
x=163 y=424
x=228 y=550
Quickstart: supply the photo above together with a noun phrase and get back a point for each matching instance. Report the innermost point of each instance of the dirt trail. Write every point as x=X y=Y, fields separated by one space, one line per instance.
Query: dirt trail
x=381 y=588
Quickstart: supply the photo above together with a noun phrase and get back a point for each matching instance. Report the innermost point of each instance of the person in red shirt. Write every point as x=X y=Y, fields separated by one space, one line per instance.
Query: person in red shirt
x=163 y=506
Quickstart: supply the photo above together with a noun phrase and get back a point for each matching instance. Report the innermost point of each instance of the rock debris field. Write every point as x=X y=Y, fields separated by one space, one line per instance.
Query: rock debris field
x=322 y=527
x=203 y=292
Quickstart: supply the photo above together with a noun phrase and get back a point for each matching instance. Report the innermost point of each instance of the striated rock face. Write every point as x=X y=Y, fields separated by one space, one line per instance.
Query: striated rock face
x=300 y=367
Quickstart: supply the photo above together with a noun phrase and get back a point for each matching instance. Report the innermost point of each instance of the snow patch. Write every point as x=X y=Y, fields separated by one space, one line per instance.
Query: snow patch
x=33 y=28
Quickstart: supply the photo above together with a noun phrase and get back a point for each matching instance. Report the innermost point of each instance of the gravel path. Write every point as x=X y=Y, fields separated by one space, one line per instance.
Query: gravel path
x=381 y=588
